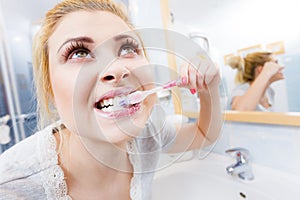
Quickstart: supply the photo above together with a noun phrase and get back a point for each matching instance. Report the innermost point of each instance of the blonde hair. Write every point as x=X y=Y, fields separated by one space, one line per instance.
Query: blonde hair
x=44 y=92
x=237 y=62
x=246 y=66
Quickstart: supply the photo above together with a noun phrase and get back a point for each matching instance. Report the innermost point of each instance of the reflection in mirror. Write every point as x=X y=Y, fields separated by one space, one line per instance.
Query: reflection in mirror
x=255 y=74
x=232 y=28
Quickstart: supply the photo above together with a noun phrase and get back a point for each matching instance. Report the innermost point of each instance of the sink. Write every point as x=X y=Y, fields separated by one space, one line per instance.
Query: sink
x=207 y=179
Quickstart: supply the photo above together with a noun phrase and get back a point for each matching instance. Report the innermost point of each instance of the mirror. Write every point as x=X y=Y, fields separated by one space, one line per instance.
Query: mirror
x=239 y=27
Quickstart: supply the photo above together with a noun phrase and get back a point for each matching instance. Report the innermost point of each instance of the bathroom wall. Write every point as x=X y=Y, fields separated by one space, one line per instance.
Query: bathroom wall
x=18 y=23
x=147 y=15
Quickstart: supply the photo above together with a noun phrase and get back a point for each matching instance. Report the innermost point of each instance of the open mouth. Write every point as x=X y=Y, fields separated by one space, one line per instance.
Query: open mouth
x=110 y=106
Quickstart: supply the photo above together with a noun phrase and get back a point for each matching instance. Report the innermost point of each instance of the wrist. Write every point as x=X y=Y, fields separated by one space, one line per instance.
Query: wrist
x=209 y=94
x=267 y=74
x=264 y=77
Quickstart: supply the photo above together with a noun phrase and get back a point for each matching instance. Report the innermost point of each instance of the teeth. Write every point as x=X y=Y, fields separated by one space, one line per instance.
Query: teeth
x=116 y=101
x=107 y=109
x=106 y=102
x=112 y=104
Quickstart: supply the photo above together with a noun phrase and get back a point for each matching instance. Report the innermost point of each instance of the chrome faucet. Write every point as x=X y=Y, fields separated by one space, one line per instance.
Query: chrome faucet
x=242 y=167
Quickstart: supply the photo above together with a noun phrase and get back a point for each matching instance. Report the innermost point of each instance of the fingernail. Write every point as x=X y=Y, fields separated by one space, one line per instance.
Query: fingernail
x=193 y=91
x=184 y=80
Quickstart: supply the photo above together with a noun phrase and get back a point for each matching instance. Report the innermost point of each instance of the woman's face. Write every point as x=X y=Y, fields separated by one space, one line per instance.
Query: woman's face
x=94 y=58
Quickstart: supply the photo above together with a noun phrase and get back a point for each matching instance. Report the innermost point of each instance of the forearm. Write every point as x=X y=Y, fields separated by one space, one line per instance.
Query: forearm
x=210 y=116
x=207 y=128
x=251 y=98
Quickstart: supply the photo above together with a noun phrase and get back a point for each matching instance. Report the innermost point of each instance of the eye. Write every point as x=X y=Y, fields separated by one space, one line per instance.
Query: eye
x=129 y=48
x=80 y=54
x=128 y=51
x=77 y=51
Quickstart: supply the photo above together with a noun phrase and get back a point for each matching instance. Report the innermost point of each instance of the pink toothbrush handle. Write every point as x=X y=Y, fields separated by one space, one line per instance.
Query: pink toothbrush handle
x=139 y=96
x=172 y=84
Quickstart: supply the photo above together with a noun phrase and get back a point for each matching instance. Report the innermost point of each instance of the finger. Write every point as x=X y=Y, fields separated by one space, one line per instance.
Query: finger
x=200 y=80
x=202 y=68
x=184 y=74
x=281 y=68
x=280 y=73
x=211 y=72
x=192 y=74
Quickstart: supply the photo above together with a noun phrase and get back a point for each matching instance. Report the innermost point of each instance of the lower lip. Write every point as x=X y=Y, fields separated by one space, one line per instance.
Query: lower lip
x=120 y=113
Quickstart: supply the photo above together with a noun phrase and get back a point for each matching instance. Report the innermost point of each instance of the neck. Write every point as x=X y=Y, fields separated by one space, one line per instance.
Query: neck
x=90 y=165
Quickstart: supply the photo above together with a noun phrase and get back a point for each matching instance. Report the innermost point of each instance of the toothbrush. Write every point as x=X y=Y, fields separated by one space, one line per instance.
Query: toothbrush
x=139 y=96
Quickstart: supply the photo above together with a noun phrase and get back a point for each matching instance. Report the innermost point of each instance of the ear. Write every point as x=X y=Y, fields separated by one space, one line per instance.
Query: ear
x=258 y=69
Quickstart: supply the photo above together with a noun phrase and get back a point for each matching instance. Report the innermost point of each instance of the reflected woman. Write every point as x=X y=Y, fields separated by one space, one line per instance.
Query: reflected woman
x=256 y=72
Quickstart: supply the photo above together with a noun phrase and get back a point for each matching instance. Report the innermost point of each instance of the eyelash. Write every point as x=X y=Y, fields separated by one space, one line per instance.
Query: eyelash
x=75 y=47
x=78 y=46
x=131 y=43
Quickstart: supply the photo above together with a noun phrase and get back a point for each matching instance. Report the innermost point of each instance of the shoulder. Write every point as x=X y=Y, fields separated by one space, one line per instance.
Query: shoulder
x=22 y=189
x=25 y=158
x=243 y=86
x=240 y=89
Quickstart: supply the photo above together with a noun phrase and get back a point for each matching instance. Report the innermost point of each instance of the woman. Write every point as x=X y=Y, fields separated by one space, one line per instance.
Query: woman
x=256 y=72
x=86 y=56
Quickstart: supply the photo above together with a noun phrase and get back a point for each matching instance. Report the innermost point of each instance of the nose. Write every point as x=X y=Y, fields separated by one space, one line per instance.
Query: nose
x=115 y=75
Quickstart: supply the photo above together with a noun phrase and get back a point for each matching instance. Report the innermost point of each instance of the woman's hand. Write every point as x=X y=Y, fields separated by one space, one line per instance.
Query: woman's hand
x=200 y=76
x=274 y=71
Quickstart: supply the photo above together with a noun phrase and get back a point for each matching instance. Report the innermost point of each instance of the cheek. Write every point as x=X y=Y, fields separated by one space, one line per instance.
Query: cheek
x=62 y=86
x=143 y=71
x=63 y=81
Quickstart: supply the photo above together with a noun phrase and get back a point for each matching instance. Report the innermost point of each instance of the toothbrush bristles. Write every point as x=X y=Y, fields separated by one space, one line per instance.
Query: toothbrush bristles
x=124 y=102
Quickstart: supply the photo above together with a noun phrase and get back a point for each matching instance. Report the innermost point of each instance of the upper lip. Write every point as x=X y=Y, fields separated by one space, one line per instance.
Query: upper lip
x=116 y=92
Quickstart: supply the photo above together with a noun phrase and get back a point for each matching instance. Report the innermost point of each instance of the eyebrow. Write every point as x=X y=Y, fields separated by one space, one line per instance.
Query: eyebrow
x=77 y=39
x=123 y=36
